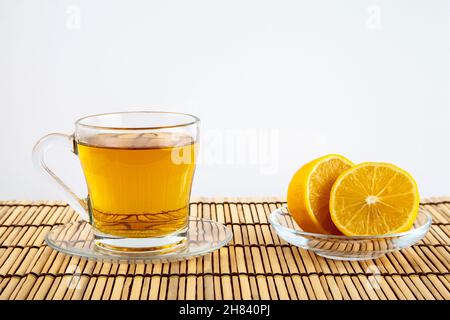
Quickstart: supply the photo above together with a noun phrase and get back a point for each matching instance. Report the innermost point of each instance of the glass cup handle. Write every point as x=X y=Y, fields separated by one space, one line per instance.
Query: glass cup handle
x=67 y=142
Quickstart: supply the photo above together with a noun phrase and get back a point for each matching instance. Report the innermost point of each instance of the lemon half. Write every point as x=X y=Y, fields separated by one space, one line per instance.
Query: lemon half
x=374 y=199
x=309 y=193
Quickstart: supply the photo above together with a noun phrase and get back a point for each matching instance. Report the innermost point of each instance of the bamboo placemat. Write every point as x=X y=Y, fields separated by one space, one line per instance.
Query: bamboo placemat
x=255 y=265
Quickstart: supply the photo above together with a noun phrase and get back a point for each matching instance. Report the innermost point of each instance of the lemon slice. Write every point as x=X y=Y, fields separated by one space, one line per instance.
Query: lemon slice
x=374 y=199
x=309 y=193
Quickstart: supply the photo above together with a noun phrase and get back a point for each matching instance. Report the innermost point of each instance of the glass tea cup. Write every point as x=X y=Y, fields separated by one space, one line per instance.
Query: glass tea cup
x=138 y=168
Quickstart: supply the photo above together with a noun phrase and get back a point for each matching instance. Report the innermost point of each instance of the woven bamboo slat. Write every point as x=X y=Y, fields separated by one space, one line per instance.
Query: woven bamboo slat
x=256 y=264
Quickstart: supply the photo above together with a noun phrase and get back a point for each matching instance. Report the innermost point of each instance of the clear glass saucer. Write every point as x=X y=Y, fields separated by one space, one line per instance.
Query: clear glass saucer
x=341 y=247
x=77 y=238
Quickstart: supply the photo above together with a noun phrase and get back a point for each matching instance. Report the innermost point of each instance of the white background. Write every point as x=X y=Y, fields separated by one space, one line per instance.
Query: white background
x=367 y=79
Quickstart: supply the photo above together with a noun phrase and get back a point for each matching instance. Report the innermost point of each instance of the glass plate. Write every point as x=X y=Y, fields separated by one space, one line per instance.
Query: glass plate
x=77 y=238
x=341 y=247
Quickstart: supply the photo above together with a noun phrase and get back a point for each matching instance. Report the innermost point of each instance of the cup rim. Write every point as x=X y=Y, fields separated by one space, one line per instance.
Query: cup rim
x=194 y=120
